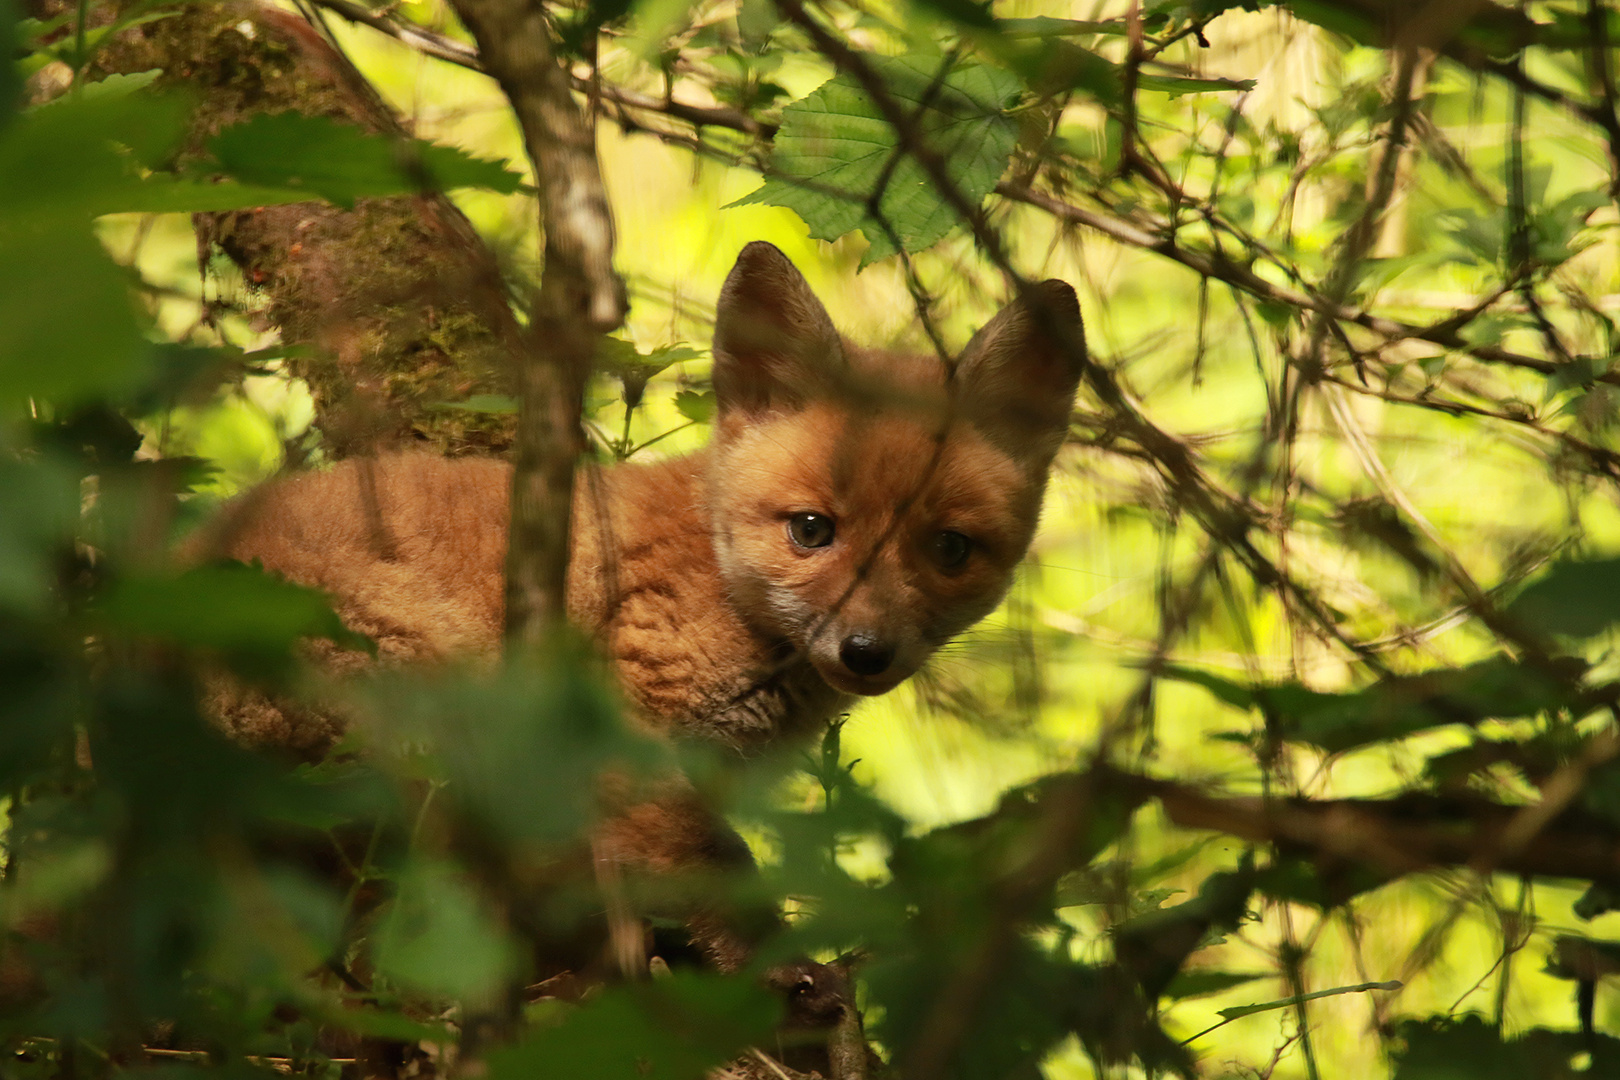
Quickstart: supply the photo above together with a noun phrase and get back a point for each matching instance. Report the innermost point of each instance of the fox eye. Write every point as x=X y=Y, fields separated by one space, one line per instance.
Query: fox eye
x=952 y=549
x=810 y=530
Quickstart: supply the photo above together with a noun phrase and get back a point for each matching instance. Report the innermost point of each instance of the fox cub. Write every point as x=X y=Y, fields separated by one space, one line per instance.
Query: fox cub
x=855 y=510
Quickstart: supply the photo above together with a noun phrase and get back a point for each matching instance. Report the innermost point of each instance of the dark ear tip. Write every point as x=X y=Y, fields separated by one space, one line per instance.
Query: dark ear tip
x=758 y=253
x=1060 y=299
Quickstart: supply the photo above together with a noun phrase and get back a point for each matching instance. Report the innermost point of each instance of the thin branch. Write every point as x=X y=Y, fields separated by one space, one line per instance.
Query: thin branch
x=580 y=298
x=448 y=49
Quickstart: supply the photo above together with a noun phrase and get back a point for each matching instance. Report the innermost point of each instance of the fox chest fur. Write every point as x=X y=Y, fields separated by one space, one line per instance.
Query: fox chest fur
x=854 y=510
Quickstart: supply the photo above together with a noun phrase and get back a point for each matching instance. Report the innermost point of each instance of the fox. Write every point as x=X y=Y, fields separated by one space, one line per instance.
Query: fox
x=855 y=509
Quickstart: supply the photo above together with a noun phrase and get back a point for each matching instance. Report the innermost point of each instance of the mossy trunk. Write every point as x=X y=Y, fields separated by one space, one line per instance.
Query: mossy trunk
x=399 y=306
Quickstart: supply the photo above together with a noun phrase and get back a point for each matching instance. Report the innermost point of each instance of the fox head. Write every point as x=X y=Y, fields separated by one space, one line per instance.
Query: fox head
x=868 y=506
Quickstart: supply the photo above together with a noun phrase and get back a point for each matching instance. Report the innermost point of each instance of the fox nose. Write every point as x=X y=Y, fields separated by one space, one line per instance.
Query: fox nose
x=865 y=655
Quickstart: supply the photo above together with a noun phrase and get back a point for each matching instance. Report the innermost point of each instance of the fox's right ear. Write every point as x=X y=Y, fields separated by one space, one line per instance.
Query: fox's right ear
x=774 y=343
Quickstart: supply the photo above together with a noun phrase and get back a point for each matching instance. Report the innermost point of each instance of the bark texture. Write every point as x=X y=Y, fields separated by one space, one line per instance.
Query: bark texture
x=398 y=303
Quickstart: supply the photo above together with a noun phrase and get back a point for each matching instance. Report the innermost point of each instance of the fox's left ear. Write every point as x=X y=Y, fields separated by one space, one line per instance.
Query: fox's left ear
x=1016 y=378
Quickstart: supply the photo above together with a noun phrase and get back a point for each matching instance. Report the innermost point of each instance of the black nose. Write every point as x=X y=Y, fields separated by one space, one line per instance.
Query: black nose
x=865 y=655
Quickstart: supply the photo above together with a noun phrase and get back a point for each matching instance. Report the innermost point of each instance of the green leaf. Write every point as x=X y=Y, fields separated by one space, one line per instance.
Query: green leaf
x=1576 y=599
x=1469 y=1048
x=78 y=156
x=39 y=514
x=440 y=938
x=1394 y=708
x=1177 y=85
x=67 y=323
x=541 y=727
x=834 y=147
x=10 y=47
x=963 y=12
x=1191 y=984
x=343 y=163
x=1154 y=945
x=699 y=408
x=674 y=1028
x=1301 y=881
x=230 y=607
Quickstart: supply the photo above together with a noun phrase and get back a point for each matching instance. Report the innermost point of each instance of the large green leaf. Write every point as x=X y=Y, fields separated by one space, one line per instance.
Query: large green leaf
x=834 y=153
x=342 y=163
x=67 y=324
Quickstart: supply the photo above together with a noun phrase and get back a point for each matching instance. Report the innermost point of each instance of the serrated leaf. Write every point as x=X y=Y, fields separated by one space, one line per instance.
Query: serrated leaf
x=834 y=148
x=342 y=163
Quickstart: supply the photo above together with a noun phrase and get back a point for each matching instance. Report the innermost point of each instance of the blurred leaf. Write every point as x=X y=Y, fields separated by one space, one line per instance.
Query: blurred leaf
x=1469 y=1048
x=1046 y=26
x=230 y=607
x=1596 y=900
x=10 y=46
x=541 y=728
x=1577 y=599
x=963 y=12
x=438 y=937
x=1403 y=705
x=696 y=407
x=674 y=1028
x=1301 y=881
x=1153 y=946
x=342 y=163
x=77 y=156
x=834 y=146
x=39 y=516
x=1203 y=982
x=67 y=323
x=1582 y=958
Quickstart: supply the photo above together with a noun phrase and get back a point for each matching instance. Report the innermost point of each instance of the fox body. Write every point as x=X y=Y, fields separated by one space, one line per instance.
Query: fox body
x=855 y=509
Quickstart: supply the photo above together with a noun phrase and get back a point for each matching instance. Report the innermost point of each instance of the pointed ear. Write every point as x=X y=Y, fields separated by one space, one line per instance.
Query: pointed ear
x=1016 y=378
x=773 y=341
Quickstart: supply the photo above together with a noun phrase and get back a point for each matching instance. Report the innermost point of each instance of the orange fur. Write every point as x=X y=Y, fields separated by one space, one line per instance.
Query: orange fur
x=718 y=621
x=854 y=511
